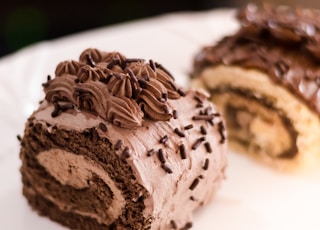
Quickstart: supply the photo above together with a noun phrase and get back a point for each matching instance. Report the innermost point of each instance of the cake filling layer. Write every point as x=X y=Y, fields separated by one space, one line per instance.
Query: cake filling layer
x=76 y=171
x=255 y=123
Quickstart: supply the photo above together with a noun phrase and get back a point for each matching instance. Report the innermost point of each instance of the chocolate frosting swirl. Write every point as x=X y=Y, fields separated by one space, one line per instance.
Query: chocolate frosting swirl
x=121 y=85
x=94 y=98
x=281 y=41
x=61 y=89
x=120 y=90
x=87 y=72
x=68 y=67
x=90 y=55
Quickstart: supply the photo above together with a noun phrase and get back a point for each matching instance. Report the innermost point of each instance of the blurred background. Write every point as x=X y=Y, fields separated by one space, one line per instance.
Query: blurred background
x=26 y=22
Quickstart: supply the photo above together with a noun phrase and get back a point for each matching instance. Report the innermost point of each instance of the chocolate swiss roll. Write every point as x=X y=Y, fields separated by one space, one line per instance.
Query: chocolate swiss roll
x=116 y=144
x=265 y=80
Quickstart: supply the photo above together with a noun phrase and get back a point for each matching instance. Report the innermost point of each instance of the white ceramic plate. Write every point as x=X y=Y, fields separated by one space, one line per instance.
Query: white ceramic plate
x=252 y=197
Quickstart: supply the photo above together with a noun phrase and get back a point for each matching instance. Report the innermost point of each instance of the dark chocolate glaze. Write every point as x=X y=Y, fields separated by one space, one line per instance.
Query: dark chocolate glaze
x=282 y=42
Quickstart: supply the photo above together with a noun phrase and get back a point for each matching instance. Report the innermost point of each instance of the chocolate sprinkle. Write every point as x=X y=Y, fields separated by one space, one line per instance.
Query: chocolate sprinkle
x=113 y=63
x=125 y=153
x=211 y=122
x=206 y=164
x=199 y=105
x=129 y=60
x=179 y=132
x=203 y=117
x=142 y=83
x=192 y=198
x=103 y=127
x=203 y=130
x=19 y=138
x=208 y=147
x=132 y=76
x=56 y=111
x=194 y=184
x=188 y=127
x=198 y=99
x=66 y=106
x=182 y=149
x=187 y=226
x=90 y=60
x=150 y=152
x=175 y=114
x=136 y=93
x=46 y=84
x=118 y=145
x=221 y=132
x=152 y=65
x=173 y=224
x=181 y=92
x=166 y=168
x=163 y=139
x=161 y=156
x=197 y=143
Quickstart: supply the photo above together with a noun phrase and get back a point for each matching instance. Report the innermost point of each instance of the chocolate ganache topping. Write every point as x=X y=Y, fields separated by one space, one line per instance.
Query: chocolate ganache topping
x=120 y=90
x=283 y=42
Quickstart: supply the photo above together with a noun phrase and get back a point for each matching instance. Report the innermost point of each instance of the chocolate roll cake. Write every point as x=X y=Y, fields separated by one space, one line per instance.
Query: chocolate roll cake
x=265 y=80
x=116 y=144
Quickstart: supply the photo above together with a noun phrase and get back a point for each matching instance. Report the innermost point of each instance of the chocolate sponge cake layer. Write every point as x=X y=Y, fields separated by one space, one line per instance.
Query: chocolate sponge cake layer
x=89 y=195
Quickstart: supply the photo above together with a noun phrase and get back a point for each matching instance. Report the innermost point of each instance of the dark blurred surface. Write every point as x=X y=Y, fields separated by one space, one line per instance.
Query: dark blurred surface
x=26 y=22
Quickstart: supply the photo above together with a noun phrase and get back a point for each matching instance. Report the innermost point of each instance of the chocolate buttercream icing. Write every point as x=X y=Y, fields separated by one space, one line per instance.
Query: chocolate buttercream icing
x=120 y=90
x=283 y=42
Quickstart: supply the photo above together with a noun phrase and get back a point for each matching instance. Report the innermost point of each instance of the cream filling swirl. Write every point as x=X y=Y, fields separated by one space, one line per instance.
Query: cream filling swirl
x=75 y=170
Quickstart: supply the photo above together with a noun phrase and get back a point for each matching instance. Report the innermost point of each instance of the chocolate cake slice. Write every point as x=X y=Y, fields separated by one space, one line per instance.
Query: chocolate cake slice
x=265 y=79
x=116 y=144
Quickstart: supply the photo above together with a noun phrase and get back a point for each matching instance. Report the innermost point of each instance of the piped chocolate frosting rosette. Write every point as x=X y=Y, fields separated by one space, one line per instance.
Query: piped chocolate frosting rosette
x=101 y=80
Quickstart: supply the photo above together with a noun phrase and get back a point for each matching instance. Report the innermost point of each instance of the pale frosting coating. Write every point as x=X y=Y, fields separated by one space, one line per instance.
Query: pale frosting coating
x=102 y=78
x=172 y=196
